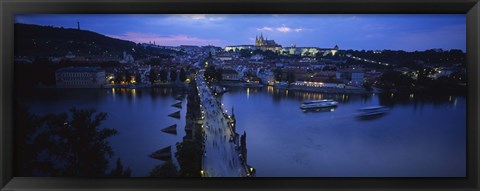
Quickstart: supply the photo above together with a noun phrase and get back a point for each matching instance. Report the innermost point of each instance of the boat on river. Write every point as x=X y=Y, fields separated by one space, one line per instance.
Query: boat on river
x=318 y=104
x=372 y=111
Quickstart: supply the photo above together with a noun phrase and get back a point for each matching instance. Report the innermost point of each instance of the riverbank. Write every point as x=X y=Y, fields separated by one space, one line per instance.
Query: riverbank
x=333 y=90
x=347 y=90
x=109 y=86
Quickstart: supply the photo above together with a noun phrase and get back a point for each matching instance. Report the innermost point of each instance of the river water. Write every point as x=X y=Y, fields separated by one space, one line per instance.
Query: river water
x=419 y=137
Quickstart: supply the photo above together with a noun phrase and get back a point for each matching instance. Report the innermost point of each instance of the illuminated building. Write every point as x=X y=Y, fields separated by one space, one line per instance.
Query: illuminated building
x=80 y=77
x=266 y=44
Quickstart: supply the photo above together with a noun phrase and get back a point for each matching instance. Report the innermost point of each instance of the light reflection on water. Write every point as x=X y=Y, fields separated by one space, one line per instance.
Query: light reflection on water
x=137 y=114
x=418 y=137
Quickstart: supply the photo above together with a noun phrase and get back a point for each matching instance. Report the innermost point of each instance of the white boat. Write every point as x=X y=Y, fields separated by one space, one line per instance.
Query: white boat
x=372 y=111
x=317 y=104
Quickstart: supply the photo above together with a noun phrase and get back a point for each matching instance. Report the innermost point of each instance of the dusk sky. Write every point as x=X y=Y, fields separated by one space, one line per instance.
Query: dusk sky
x=369 y=32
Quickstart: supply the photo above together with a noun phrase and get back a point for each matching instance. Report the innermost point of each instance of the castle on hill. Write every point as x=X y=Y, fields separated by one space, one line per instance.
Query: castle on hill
x=262 y=43
x=266 y=44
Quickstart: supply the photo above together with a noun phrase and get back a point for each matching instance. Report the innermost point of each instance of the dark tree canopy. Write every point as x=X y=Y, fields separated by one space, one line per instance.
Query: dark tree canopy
x=173 y=75
x=183 y=75
x=167 y=169
x=67 y=144
x=163 y=75
x=152 y=76
x=118 y=170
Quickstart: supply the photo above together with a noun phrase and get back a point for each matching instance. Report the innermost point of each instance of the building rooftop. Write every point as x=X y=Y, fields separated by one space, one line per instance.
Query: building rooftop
x=80 y=69
x=229 y=71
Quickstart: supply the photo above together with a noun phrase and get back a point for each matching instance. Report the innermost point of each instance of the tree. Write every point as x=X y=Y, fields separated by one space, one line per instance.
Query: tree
x=189 y=157
x=167 y=169
x=210 y=73
x=152 y=76
x=126 y=76
x=173 y=75
x=219 y=74
x=163 y=75
x=119 y=172
x=367 y=86
x=28 y=145
x=396 y=80
x=278 y=74
x=245 y=53
x=118 y=77
x=183 y=75
x=82 y=143
x=67 y=144
x=138 y=78
x=290 y=77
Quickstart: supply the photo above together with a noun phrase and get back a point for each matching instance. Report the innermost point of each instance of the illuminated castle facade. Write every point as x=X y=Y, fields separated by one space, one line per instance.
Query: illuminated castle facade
x=266 y=44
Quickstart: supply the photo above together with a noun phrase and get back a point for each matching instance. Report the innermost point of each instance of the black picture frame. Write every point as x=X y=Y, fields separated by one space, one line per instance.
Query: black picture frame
x=9 y=8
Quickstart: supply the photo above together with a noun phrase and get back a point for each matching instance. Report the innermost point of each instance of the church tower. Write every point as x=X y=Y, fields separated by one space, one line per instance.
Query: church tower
x=260 y=43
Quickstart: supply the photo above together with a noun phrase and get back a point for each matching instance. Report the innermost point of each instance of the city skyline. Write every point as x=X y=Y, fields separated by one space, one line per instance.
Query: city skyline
x=368 y=32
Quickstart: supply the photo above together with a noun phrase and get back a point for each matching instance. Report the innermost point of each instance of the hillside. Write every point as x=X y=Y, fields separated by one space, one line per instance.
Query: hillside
x=44 y=41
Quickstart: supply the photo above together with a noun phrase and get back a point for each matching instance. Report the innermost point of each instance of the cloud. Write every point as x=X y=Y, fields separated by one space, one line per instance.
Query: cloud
x=210 y=17
x=283 y=29
x=197 y=16
x=170 y=40
x=265 y=29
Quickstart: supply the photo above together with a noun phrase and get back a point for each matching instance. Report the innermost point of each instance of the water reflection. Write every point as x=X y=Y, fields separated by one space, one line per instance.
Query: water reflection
x=270 y=90
x=419 y=136
x=138 y=124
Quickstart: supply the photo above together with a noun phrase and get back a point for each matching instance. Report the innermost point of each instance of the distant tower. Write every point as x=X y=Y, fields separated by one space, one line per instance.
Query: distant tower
x=78 y=25
x=334 y=50
x=261 y=39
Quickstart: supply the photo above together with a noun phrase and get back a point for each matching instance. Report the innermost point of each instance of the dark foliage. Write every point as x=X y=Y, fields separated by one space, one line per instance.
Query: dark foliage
x=45 y=41
x=167 y=169
x=68 y=144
